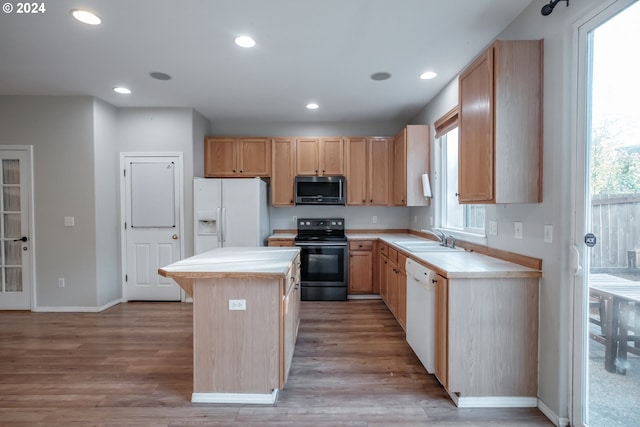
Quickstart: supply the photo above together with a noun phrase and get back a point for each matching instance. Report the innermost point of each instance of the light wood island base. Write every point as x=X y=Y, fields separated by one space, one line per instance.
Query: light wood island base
x=245 y=321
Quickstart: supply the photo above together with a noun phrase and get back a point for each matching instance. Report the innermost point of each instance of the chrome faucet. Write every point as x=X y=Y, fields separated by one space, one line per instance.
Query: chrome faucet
x=452 y=241
x=442 y=238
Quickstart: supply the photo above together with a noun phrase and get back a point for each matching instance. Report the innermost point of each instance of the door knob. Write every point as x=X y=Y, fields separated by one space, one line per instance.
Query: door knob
x=22 y=239
x=174 y=237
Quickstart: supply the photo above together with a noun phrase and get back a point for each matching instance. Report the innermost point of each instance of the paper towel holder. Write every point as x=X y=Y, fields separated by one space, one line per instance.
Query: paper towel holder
x=426 y=186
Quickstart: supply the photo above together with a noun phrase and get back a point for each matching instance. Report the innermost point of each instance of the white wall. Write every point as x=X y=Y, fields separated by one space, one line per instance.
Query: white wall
x=560 y=76
x=106 y=181
x=61 y=132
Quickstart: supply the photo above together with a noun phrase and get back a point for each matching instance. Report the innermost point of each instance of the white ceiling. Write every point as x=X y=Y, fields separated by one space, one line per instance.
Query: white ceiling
x=307 y=50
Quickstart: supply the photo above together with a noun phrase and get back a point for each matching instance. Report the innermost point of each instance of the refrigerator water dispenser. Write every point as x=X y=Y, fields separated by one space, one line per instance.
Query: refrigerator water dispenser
x=207 y=223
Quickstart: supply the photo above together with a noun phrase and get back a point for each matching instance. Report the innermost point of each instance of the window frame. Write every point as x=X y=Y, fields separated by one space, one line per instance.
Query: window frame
x=443 y=126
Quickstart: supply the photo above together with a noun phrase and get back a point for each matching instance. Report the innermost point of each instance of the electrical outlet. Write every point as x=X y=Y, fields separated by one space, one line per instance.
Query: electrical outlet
x=415 y=219
x=69 y=221
x=493 y=228
x=61 y=282
x=517 y=227
x=294 y=219
x=237 y=304
x=374 y=219
x=548 y=233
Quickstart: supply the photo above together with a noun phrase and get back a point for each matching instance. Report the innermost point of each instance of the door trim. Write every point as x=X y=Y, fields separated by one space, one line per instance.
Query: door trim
x=123 y=215
x=578 y=264
x=31 y=220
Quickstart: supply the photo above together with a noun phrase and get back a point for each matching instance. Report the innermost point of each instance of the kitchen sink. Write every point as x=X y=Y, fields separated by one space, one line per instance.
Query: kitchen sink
x=419 y=246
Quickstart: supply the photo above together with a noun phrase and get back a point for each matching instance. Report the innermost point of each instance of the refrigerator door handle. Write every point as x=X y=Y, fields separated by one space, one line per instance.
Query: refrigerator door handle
x=224 y=224
x=218 y=227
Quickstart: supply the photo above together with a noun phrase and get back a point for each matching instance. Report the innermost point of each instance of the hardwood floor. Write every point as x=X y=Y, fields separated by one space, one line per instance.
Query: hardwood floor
x=131 y=366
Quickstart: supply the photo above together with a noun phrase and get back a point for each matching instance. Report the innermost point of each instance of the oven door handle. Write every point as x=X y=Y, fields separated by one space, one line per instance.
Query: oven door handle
x=320 y=244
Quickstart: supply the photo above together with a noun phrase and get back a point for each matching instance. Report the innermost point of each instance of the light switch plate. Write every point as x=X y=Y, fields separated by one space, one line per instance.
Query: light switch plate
x=493 y=228
x=548 y=233
x=517 y=230
x=69 y=221
x=237 y=304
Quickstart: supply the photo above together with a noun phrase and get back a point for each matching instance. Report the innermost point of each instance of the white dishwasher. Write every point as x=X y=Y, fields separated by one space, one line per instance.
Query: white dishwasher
x=421 y=312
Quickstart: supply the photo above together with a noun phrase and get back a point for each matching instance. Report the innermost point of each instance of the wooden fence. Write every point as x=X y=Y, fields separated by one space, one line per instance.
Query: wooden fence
x=615 y=220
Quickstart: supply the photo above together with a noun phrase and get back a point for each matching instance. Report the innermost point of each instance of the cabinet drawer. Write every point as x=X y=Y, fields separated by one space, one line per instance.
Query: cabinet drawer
x=393 y=255
x=360 y=245
x=384 y=249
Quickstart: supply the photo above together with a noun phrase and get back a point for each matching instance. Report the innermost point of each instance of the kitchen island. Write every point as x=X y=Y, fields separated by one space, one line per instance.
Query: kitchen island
x=245 y=321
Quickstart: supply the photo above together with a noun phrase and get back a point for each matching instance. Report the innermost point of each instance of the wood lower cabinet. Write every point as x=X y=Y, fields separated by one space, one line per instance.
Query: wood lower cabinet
x=393 y=282
x=291 y=317
x=283 y=171
x=500 y=122
x=487 y=339
x=281 y=241
x=361 y=271
x=441 y=331
x=237 y=157
x=367 y=170
x=320 y=156
x=410 y=153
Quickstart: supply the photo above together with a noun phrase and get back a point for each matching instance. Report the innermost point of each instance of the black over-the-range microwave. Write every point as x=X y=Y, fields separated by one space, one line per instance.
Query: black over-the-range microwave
x=320 y=190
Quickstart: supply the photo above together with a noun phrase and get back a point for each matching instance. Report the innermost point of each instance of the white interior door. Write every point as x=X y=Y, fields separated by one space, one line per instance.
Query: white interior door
x=152 y=189
x=16 y=258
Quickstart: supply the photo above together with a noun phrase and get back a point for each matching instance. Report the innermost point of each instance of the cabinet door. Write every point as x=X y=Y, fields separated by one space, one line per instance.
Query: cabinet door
x=282 y=174
x=382 y=269
x=356 y=152
x=331 y=156
x=254 y=157
x=476 y=148
x=220 y=157
x=307 y=156
x=360 y=272
x=378 y=172
x=442 y=331
x=400 y=169
x=401 y=286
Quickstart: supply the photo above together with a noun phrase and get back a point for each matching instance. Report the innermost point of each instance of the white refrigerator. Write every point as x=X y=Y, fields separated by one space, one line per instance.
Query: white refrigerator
x=229 y=212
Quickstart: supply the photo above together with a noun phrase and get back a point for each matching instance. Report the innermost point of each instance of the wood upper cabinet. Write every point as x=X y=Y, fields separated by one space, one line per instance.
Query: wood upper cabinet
x=410 y=153
x=367 y=171
x=320 y=156
x=500 y=125
x=283 y=172
x=237 y=157
x=361 y=267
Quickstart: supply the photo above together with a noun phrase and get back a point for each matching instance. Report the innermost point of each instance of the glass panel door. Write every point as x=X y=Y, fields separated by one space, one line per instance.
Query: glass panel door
x=610 y=295
x=15 y=285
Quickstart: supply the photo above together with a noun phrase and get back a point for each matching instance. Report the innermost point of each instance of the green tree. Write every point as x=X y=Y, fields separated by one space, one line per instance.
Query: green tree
x=615 y=169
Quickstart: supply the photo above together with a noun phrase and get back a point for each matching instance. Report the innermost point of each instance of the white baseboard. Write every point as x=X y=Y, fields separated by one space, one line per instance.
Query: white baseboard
x=553 y=417
x=364 y=296
x=494 y=401
x=242 y=398
x=44 y=309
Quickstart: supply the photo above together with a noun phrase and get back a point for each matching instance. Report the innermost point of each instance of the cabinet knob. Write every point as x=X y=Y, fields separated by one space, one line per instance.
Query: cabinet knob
x=240 y=170
x=434 y=281
x=457 y=194
x=364 y=201
x=234 y=171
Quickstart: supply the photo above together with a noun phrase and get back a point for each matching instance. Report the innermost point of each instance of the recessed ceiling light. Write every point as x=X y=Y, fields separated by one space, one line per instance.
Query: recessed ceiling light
x=312 y=106
x=86 y=17
x=245 y=41
x=380 y=76
x=428 y=75
x=160 y=76
x=122 y=90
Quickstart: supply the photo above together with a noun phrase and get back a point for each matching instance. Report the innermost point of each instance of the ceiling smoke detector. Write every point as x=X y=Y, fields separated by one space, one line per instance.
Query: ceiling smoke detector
x=380 y=76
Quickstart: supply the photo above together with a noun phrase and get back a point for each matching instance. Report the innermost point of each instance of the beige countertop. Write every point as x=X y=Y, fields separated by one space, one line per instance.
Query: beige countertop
x=450 y=264
x=234 y=262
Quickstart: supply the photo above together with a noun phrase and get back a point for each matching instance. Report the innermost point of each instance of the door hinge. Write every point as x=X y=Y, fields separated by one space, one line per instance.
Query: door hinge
x=126 y=277
x=125 y=225
x=124 y=173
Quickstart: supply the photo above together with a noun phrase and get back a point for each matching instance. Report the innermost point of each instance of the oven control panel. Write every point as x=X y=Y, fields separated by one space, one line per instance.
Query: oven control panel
x=322 y=225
